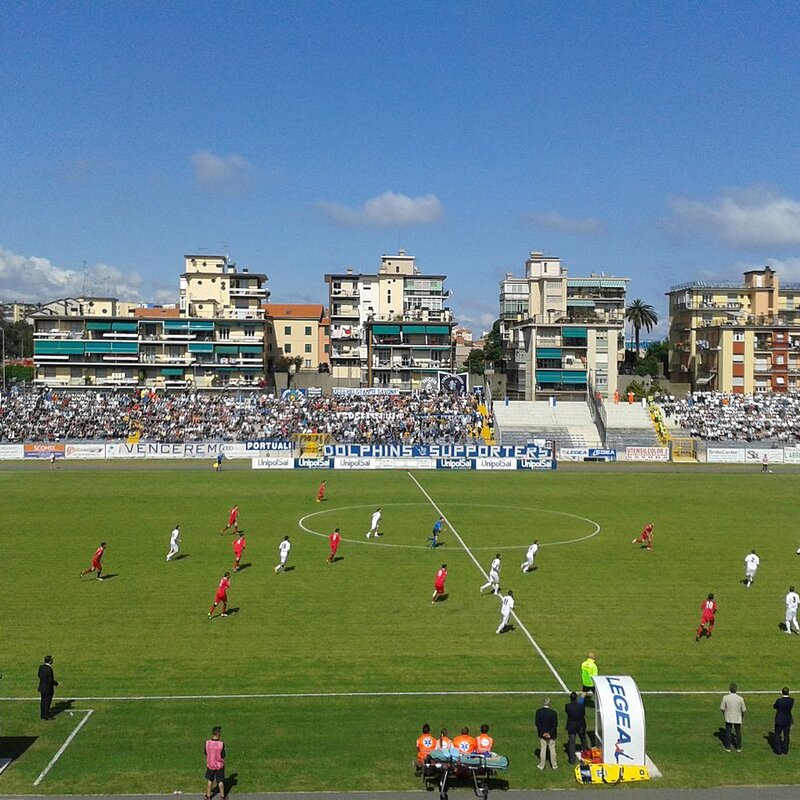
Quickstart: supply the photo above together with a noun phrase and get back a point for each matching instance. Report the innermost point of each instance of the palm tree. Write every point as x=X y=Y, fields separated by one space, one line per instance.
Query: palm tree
x=640 y=315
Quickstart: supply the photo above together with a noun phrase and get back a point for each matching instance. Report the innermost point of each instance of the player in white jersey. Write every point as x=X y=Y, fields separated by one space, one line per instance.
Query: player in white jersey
x=792 y=602
x=506 y=607
x=283 y=553
x=375 y=524
x=494 y=576
x=527 y=564
x=174 y=542
x=751 y=562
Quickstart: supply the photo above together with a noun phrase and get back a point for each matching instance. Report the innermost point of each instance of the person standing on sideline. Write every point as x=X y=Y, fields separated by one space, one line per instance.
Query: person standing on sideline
x=438 y=583
x=215 y=763
x=174 y=542
x=576 y=726
x=239 y=545
x=220 y=458
x=283 y=553
x=783 y=721
x=751 y=562
x=321 y=492
x=375 y=524
x=437 y=529
x=97 y=562
x=527 y=564
x=233 y=521
x=47 y=687
x=708 y=610
x=506 y=607
x=494 y=576
x=792 y=602
x=546 y=721
x=588 y=674
x=765 y=465
x=733 y=708
x=333 y=540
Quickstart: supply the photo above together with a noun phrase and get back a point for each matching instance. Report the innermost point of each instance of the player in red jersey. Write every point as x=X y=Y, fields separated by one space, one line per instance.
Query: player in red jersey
x=222 y=595
x=97 y=562
x=233 y=521
x=321 y=492
x=708 y=609
x=646 y=539
x=334 y=539
x=438 y=583
x=238 y=549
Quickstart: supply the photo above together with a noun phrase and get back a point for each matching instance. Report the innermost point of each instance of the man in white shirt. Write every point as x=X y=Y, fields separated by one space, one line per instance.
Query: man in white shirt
x=792 y=602
x=527 y=564
x=751 y=562
x=494 y=576
x=174 y=542
x=506 y=607
x=283 y=553
x=374 y=524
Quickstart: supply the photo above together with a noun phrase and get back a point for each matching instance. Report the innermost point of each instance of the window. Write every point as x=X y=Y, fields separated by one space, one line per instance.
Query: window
x=287 y=330
x=287 y=348
x=307 y=348
x=224 y=333
x=249 y=332
x=269 y=348
x=780 y=360
x=308 y=330
x=738 y=336
x=327 y=348
x=738 y=358
x=307 y=364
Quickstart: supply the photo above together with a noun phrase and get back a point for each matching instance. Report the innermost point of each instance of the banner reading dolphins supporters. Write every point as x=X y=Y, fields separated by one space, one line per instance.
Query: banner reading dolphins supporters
x=620 y=720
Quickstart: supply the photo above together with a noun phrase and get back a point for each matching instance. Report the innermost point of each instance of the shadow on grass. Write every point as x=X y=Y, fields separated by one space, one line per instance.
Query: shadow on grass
x=109 y=576
x=14 y=746
x=60 y=707
x=245 y=566
x=180 y=556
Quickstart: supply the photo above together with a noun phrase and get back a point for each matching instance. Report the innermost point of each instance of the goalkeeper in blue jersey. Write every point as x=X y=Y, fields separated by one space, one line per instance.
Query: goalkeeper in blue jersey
x=437 y=529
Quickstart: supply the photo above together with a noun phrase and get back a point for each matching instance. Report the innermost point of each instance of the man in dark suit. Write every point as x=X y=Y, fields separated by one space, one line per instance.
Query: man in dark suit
x=576 y=726
x=546 y=722
x=47 y=687
x=783 y=721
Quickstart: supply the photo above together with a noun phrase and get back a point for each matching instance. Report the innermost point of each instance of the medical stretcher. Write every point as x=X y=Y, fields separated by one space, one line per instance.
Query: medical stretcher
x=440 y=766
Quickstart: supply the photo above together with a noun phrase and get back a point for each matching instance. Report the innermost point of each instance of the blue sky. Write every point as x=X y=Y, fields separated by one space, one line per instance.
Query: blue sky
x=656 y=141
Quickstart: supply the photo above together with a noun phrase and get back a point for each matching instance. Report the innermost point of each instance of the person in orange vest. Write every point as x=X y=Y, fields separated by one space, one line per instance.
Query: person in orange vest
x=444 y=742
x=483 y=742
x=465 y=744
x=425 y=743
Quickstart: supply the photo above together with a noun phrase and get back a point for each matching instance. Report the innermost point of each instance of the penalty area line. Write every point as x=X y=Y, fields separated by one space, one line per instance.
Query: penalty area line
x=469 y=552
x=88 y=712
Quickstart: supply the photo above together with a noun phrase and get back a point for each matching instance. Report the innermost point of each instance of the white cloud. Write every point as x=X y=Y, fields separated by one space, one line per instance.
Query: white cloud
x=387 y=210
x=32 y=279
x=552 y=220
x=788 y=269
x=229 y=174
x=753 y=217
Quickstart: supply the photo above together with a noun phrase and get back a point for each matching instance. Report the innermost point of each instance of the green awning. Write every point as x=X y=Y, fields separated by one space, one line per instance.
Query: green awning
x=201 y=347
x=251 y=349
x=580 y=303
x=570 y=376
x=548 y=376
x=386 y=329
x=98 y=326
x=227 y=349
x=548 y=352
x=58 y=348
x=413 y=329
x=125 y=327
x=176 y=325
x=574 y=333
x=172 y=371
x=437 y=329
x=201 y=324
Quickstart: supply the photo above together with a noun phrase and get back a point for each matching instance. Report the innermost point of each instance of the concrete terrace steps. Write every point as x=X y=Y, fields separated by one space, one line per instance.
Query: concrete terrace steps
x=570 y=423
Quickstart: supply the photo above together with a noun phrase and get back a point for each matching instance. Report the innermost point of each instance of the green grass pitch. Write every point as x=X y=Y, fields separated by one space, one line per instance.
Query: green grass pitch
x=365 y=625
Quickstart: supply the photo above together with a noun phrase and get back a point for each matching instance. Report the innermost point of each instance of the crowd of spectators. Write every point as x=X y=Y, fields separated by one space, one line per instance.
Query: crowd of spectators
x=719 y=416
x=49 y=416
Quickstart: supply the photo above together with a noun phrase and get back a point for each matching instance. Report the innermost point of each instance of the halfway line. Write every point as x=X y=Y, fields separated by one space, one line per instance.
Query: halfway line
x=478 y=565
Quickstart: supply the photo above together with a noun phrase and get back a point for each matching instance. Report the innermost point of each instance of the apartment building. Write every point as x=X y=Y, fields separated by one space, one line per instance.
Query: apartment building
x=298 y=330
x=562 y=336
x=736 y=336
x=214 y=337
x=390 y=328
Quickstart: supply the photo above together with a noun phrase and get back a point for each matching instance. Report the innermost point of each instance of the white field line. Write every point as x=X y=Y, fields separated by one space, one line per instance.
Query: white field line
x=480 y=568
x=334 y=695
x=88 y=712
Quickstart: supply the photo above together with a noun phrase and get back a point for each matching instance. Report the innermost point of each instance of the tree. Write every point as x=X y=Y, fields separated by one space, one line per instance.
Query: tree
x=640 y=315
x=493 y=349
x=475 y=361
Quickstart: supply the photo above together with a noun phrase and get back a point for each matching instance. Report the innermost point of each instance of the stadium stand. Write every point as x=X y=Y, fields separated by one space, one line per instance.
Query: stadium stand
x=521 y=421
x=629 y=425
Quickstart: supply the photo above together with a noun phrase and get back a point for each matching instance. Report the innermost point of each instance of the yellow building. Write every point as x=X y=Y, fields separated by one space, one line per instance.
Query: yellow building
x=298 y=330
x=739 y=337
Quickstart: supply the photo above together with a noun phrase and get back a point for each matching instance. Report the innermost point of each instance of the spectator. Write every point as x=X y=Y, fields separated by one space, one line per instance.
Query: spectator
x=733 y=708
x=546 y=721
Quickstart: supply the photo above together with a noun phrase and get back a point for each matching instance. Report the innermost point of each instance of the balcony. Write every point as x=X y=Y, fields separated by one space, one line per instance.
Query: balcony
x=345 y=311
x=236 y=291
x=344 y=292
x=346 y=333
x=245 y=313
